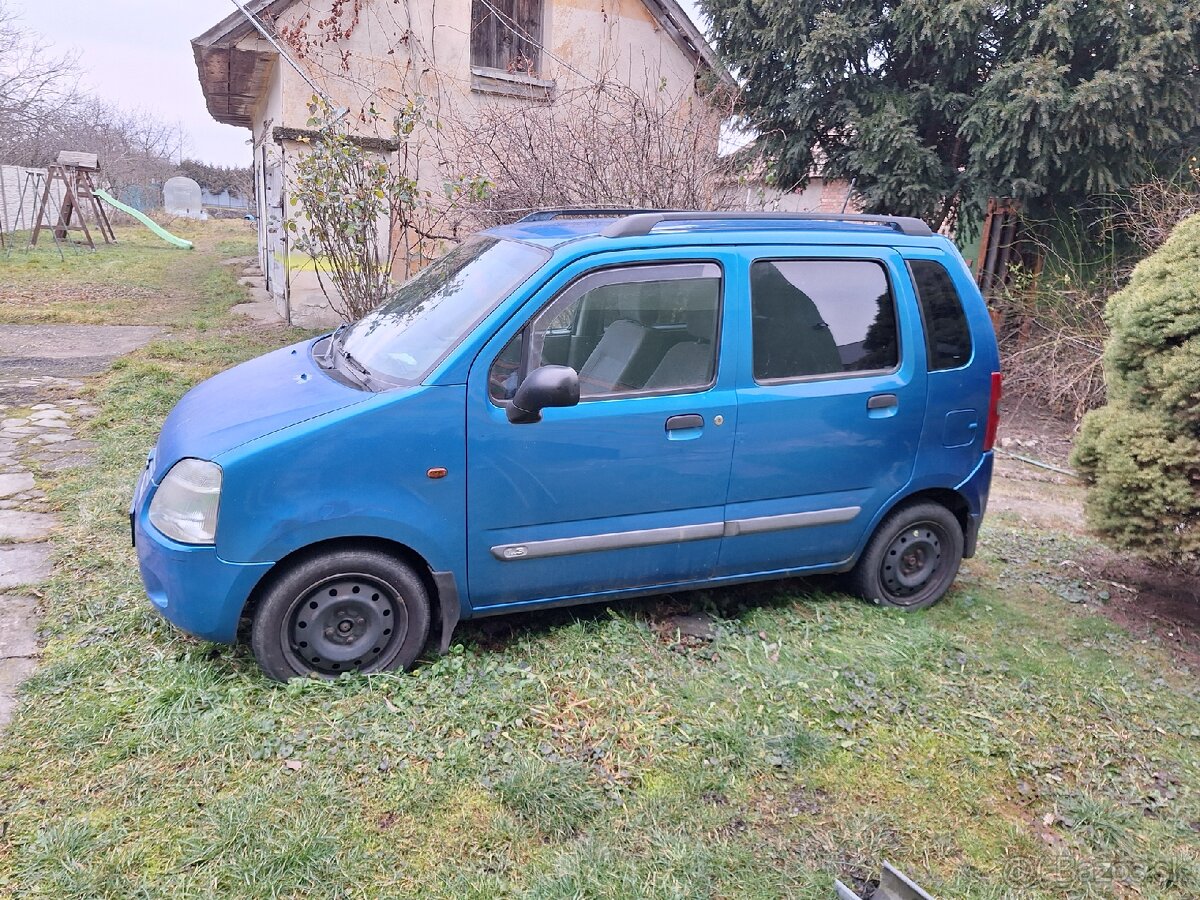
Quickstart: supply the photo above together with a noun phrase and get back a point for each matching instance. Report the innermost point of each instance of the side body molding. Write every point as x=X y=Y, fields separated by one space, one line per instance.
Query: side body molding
x=621 y=540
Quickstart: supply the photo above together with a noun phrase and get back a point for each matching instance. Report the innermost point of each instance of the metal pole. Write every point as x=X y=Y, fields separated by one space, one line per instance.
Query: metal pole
x=849 y=191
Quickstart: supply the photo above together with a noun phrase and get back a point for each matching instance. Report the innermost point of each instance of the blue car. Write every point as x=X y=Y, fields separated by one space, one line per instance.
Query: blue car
x=577 y=408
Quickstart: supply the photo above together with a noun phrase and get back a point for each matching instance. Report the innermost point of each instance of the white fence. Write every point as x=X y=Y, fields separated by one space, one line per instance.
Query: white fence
x=20 y=193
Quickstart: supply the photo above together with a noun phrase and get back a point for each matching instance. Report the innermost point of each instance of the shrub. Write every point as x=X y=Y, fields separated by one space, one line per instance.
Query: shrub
x=1141 y=452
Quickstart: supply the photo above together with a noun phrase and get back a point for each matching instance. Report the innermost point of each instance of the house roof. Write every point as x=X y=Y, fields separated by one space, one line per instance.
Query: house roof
x=233 y=79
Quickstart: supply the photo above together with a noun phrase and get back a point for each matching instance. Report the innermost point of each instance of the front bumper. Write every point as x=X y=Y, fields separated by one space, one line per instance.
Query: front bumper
x=190 y=586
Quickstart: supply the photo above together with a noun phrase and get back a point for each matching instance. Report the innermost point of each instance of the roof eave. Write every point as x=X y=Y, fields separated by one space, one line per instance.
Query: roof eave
x=678 y=24
x=234 y=27
x=232 y=78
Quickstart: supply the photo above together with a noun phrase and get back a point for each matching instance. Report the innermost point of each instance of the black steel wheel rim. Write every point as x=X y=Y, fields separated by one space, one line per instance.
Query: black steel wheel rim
x=346 y=623
x=913 y=562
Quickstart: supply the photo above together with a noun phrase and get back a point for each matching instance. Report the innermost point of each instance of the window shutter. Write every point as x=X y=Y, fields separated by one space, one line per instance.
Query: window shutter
x=499 y=42
x=484 y=38
x=526 y=57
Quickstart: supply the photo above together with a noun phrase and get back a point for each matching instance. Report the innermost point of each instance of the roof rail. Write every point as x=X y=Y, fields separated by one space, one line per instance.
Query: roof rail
x=637 y=224
x=545 y=215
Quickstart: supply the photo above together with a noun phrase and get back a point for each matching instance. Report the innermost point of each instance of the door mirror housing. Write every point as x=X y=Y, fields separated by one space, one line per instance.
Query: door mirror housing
x=543 y=388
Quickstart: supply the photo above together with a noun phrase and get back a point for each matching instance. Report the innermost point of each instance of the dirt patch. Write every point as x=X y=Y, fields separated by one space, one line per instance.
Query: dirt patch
x=1146 y=600
x=1032 y=477
x=73 y=341
x=688 y=629
x=1029 y=430
x=1040 y=501
x=1150 y=601
x=20 y=298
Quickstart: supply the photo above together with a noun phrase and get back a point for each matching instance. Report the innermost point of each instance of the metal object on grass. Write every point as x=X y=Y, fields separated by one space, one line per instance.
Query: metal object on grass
x=893 y=885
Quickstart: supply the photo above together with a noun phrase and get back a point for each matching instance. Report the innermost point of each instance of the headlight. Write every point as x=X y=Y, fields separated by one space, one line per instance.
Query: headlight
x=185 y=506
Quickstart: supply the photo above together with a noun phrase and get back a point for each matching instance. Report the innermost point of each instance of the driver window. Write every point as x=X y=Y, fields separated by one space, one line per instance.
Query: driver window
x=625 y=331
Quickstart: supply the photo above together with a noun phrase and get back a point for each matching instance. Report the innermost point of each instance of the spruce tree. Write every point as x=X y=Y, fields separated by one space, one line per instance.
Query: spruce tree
x=924 y=102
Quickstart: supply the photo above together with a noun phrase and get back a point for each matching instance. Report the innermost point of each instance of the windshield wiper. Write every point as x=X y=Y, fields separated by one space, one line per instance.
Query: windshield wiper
x=328 y=356
x=360 y=372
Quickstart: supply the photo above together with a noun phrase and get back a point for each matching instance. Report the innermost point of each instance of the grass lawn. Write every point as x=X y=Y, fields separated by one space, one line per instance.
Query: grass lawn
x=139 y=281
x=1004 y=744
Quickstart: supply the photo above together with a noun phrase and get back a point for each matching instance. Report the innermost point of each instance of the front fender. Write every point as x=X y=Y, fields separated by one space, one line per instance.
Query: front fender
x=359 y=472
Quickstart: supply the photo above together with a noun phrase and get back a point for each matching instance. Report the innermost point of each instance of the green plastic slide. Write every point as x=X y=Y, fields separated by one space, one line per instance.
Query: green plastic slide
x=145 y=220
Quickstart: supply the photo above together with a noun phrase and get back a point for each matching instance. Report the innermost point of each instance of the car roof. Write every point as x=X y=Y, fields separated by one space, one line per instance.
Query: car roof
x=799 y=228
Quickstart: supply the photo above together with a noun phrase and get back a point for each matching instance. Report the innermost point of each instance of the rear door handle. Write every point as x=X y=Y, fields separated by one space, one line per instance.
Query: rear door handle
x=681 y=423
x=882 y=401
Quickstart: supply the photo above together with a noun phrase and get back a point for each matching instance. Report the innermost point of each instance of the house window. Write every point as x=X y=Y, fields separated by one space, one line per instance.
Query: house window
x=506 y=36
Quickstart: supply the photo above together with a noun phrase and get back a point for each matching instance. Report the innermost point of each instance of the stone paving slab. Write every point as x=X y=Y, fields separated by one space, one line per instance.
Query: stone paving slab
x=18 y=389
x=35 y=374
x=43 y=437
x=12 y=673
x=262 y=311
x=23 y=564
x=15 y=483
x=16 y=640
x=20 y=526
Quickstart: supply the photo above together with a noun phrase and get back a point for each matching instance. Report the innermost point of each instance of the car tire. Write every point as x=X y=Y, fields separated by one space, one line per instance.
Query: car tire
x=912 y=559
x=341 y=611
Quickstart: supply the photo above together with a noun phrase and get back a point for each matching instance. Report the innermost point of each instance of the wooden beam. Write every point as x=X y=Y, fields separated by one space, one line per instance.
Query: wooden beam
x=307 y=136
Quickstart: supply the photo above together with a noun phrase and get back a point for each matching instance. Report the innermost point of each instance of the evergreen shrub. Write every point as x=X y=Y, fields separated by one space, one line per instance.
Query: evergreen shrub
x=1140 y=453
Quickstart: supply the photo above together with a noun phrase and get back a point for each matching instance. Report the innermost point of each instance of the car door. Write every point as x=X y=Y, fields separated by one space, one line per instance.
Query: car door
x=627 y=489
x=831 y=402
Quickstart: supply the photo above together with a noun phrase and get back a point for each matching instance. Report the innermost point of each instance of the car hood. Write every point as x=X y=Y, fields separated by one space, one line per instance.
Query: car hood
x=249 y=401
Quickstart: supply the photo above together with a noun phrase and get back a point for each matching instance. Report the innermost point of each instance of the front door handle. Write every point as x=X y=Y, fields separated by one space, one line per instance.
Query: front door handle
x=882 y=401
x=681 y=423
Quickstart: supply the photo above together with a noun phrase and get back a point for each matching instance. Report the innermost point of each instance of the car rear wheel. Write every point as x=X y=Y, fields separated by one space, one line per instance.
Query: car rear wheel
x=912 y=559
x=341 y=611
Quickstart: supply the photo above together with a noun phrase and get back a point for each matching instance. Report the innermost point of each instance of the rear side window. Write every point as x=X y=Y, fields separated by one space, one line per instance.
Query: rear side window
x=947 y=337
x=817 y=317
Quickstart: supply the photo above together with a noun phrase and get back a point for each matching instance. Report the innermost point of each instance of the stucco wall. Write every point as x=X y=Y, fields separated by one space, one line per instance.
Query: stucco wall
x=587 y=40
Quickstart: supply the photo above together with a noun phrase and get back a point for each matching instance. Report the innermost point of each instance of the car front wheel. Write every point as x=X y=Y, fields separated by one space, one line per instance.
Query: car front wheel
x=341 y=611
x=912 y=559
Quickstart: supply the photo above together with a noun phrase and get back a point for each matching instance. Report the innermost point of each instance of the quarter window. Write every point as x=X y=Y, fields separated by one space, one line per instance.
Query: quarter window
x=821 y=317
x=636 y=330
x=947 y=336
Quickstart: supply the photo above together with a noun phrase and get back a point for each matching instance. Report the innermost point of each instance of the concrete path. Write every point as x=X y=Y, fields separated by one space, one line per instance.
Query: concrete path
x=260 y=307
x=40 y=412
x=47 y=350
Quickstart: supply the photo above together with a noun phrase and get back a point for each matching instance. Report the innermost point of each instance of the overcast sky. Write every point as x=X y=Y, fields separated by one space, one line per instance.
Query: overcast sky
x=137 y=53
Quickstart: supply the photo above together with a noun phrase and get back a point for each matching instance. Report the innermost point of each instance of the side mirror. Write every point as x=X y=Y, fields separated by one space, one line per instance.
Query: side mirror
x=543 y=388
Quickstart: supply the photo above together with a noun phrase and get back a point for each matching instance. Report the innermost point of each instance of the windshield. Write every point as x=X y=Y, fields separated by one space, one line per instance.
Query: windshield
x=430 y=313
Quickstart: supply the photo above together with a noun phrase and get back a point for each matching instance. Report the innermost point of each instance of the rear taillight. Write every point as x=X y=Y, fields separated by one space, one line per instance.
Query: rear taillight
x=993 y=420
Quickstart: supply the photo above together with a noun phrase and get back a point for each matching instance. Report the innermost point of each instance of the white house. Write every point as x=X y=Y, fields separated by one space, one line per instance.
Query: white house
x=458 y=55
